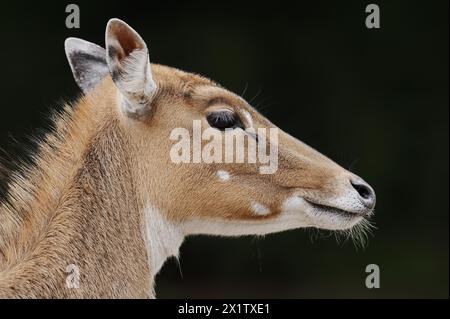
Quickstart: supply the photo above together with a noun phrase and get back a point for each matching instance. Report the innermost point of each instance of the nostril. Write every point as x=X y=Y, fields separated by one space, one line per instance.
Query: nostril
x=366 y=193
x=363 y=190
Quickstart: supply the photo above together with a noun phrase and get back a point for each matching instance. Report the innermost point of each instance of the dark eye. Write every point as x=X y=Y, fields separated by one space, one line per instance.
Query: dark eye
x=223 y=120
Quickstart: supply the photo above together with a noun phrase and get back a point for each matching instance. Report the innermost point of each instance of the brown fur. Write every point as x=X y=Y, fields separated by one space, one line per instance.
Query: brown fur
x=4 y=174
x=82 y=203
x=66 y=211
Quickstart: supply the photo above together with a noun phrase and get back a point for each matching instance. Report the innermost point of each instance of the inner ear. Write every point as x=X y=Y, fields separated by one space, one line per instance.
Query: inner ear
x=129 y=66
x=123 y=40
x=127 y=41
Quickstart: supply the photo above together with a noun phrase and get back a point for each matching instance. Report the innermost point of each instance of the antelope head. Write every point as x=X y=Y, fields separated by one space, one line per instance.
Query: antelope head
x=178 y=125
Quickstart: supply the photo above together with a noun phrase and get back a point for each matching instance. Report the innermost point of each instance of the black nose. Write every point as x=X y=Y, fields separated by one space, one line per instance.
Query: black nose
x=366 y=193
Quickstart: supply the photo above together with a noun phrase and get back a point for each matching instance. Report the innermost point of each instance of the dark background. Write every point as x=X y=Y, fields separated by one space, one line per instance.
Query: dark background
x=376 y=101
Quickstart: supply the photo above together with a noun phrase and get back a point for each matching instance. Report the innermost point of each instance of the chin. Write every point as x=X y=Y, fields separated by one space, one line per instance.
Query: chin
x=336 y=222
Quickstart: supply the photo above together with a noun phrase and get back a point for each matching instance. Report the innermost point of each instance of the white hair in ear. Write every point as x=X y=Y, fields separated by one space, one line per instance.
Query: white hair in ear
x=136 y=75
x=129 y=65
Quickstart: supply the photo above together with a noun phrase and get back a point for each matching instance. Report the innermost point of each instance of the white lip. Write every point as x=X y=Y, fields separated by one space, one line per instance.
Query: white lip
x=331 y=217
x=322 y=215
x=321 y=208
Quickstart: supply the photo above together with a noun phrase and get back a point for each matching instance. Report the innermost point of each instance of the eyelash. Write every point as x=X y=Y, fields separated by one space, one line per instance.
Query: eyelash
x=224 y=120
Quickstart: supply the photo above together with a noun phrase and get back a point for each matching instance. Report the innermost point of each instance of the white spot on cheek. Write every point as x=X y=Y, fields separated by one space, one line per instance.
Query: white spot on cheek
x=223 y=175
x=260 y=209
x=293 y=204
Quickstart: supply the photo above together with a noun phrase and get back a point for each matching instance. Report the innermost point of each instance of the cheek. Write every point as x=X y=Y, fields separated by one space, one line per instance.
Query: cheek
x=231 y=196
x=224 y=192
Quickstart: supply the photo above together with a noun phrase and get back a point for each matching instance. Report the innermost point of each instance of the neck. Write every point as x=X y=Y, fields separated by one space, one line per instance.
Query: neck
x=83 y=230
x=162 y=238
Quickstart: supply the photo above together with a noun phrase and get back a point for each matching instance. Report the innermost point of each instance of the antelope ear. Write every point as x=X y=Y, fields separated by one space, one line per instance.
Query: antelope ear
x=129 y=66
x=87 y=61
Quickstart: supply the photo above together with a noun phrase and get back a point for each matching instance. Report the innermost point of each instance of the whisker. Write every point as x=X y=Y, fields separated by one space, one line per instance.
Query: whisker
x=352 y=164
x=358 y=234
x=179 y=266
x=257 y=94
x=245 y=90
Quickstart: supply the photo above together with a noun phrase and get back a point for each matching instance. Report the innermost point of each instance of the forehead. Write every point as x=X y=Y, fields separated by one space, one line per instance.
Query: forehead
x=168 y=76
x=200 y=92
x=193 y=87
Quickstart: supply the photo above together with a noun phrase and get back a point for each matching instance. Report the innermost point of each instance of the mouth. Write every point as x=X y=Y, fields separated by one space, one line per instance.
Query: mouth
x=329 y=210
